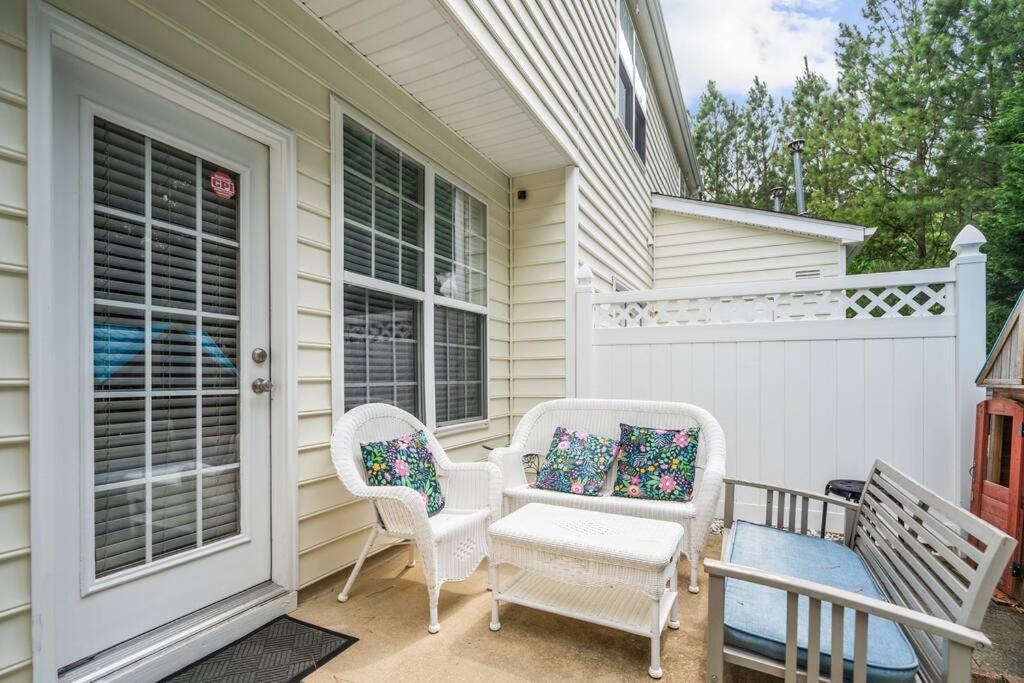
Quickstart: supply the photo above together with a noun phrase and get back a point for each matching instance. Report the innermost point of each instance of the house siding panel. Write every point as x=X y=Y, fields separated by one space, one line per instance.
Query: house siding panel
x=281 y=62
x=566 y=52
x=15 y=598
x=538 y=290
x=699 y=251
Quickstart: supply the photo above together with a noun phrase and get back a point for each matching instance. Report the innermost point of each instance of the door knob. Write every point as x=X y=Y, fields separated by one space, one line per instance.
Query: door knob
x=259 y=355
x=262 y=386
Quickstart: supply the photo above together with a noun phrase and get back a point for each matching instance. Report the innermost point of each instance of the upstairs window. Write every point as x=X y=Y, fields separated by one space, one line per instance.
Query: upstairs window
x=632 y=83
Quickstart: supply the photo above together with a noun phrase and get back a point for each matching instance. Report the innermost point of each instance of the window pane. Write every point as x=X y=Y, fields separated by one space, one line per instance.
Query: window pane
x=625 y=100
x=382 y=350
x=383 y=195
x=640 y=140
x=459 y=365
x=460 y=244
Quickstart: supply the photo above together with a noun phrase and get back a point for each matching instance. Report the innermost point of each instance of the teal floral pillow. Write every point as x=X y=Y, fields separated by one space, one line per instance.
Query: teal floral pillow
x=657 y=464
x=577 y=462
x=405 y=461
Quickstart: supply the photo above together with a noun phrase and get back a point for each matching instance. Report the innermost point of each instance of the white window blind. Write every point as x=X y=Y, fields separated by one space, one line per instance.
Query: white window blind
x=460 y=244
x=382 y=350
x=459 y=342
x=384 y=209
x=165 y=332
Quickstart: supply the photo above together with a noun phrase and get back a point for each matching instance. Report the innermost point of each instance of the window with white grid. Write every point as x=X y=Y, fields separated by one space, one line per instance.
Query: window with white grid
x=165 y=337
x=400 y=326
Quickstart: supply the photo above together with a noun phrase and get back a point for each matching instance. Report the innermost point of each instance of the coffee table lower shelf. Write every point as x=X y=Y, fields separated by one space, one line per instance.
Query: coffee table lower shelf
x=623 y=609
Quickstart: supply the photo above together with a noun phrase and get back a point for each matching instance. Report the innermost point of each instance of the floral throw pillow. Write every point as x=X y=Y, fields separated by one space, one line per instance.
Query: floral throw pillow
x=657 y=464
x=577 y=462
x=405 y=461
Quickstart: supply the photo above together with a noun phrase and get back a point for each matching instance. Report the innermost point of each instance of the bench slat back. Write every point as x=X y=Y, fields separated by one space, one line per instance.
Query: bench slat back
x=916 y=545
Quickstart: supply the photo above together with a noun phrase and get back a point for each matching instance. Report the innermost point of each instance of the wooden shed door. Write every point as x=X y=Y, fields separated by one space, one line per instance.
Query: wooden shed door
x=998 y=472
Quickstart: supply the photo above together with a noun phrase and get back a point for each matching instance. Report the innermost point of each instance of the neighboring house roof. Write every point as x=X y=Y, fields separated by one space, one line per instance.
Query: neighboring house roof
x=1004 y=365
x=844 y=233
x=665 y=82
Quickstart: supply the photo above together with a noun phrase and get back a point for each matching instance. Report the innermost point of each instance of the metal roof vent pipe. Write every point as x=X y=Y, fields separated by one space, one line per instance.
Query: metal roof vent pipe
x=797 y=146
x=777 y=193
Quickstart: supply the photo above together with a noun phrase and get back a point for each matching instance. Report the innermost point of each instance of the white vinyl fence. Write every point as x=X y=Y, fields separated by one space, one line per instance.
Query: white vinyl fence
x=811 y=380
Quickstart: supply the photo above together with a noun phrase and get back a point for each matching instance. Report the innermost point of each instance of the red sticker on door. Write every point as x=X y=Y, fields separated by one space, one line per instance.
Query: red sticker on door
x=222 y=185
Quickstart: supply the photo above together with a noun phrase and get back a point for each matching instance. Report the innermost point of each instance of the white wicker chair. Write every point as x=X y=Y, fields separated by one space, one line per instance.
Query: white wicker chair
x=602 y=416
x=452 y=543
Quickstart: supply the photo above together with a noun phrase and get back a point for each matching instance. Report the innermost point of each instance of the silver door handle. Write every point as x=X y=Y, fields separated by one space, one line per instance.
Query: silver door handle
x=261 y=386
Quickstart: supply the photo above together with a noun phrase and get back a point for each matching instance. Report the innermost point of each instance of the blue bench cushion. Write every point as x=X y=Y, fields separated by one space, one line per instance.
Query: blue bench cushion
x=755 y=616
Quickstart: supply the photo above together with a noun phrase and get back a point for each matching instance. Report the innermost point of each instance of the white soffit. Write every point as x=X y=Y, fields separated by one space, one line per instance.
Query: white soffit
x=413 y=44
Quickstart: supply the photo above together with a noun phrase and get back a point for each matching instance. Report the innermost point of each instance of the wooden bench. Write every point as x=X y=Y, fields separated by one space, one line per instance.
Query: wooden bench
x=933 y=566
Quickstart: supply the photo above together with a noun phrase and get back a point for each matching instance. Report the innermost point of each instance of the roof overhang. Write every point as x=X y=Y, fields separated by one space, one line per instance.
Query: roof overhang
x=843 y=233
x=665 y=81
x=434 y=50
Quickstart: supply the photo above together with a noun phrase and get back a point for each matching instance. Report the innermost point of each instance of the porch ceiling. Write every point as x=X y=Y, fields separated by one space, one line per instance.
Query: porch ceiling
x=420 y=49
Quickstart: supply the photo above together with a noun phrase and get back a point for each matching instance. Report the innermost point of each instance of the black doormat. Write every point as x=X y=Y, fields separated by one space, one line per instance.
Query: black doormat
x=283 y=651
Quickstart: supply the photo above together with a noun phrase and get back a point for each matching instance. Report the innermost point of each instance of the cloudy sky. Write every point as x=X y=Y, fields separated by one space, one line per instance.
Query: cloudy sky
x=731 y=41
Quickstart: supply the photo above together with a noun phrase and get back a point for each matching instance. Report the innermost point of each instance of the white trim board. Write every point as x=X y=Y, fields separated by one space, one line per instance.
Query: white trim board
x=50 y=29
x=845 y=233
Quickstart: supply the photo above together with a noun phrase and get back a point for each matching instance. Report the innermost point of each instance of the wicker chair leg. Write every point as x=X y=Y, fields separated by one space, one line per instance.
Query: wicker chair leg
x=433 y=594
x=343 y=596
x=694 y=558
x=411 y=562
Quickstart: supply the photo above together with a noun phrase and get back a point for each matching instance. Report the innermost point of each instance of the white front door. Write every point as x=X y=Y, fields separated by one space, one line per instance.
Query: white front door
x=161 y=218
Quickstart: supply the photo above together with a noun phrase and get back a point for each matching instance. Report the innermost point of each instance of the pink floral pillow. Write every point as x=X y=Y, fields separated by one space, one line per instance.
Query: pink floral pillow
x=405 y=461
x=657 y=464
x=577 y=462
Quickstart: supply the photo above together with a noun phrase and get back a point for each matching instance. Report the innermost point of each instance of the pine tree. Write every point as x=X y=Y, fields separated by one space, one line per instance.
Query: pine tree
x=1004 y=227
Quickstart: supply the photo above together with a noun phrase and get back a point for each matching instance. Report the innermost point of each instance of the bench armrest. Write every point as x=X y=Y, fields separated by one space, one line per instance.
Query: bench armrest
x=904 y=616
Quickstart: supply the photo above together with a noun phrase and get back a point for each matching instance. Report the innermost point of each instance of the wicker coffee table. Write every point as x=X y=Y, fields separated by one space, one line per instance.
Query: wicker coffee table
x=611 y=570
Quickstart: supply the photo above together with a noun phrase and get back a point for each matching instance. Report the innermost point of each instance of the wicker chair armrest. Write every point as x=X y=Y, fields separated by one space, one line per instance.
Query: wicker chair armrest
x=509 y=460
x=475 y=485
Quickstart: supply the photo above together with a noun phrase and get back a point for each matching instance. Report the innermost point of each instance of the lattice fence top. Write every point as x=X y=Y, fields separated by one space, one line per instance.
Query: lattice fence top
x=894 y=301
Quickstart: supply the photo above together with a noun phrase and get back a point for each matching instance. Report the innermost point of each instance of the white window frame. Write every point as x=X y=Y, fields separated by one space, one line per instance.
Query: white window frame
x=426 y=298
x=639 y=86
x=87 y=571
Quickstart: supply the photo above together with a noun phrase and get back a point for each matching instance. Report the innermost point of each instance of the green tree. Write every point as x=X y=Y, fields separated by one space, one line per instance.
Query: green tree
x=1004 y=226
x=716 y=137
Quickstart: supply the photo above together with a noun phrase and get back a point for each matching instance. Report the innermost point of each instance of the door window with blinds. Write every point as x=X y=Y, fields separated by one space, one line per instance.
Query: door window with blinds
x=397 y=320
x=165 y=396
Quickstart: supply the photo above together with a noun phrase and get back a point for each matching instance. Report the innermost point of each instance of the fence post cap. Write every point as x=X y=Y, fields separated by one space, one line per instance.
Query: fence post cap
x=968 y=242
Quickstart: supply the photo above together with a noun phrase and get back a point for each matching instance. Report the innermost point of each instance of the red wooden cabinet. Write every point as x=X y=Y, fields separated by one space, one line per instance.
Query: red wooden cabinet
x=998 y=474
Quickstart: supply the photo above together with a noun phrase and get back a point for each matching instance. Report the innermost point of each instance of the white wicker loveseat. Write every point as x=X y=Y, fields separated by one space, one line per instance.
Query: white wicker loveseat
x=900 y=601
x=602 y=417
x=452 y=543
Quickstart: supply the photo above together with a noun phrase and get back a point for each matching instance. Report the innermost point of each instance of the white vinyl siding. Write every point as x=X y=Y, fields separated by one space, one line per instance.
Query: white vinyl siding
x=566 y=53
x=15 y=597
x=538 y=290
x=283 y=63
x=700 y=251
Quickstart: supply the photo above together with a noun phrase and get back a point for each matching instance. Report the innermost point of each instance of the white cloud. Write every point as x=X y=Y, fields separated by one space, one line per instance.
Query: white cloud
x=731 y=41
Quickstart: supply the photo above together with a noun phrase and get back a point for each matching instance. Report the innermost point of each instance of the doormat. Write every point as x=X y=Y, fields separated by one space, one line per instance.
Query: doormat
x=283 y=651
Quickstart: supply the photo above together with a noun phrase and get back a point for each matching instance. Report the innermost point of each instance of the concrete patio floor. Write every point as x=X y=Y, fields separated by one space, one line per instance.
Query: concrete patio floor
x=387 y=611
